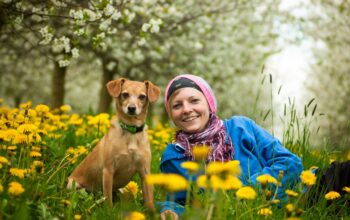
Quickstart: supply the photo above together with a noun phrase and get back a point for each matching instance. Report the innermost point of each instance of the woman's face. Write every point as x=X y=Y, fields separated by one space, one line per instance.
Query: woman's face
x=189 y=110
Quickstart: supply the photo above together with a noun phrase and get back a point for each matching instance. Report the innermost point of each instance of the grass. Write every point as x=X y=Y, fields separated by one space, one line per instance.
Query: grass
x=48 y=152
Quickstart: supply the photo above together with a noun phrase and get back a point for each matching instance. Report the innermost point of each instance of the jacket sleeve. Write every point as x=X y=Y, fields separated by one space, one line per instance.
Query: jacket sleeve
x=276 y=158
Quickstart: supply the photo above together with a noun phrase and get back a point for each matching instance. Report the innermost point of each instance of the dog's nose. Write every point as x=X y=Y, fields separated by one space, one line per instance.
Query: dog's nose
x=132 y=109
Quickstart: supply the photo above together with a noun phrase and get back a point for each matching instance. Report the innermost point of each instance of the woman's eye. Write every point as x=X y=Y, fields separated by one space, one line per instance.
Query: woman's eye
x=195 y=100
x=125 y=95
x=176 y=106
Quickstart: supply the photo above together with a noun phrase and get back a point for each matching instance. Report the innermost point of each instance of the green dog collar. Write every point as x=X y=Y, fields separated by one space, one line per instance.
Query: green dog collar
x=131 y=128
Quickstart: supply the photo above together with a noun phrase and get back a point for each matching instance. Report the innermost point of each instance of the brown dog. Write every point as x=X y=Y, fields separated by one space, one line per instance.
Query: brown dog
x=125 y=149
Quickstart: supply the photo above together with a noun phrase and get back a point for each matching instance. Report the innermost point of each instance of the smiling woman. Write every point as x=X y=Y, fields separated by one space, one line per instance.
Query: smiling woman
x=191 y=105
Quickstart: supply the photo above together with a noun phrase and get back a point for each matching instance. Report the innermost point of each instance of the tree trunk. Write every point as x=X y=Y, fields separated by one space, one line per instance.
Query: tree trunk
x=58 y=81
x=105 y=98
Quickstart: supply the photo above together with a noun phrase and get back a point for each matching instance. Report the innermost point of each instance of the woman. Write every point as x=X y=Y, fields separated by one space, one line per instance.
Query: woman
x=191 y=105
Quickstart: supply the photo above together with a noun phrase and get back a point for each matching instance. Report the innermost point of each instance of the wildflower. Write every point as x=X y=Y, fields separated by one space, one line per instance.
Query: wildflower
x=20 y=139
x=42 y=108
x=332 y=195
x=15 y=189
x=308 y=178
x=66 y=202
x=77 y=217
x=216 y=182
x=346 y=189
x=1 y=188
x=3 y=160
x=265 y=179
x=202 y=181
x=246 y=192
x=34 y=154
x=132 y=187
x=233 y=167
x=200 y=152
x=291 y=193
x=65 y=108
x=176 y=183
x=26 y=105
x=232 y=182
x=135 y=216
x=290 y=207
x=38 y=166
x=10 y=134
x=27 y=129
x=192 y=167
x=18 y=172
x=13 y=147
x=265 y=212
x=275 y=201
x=215 y=168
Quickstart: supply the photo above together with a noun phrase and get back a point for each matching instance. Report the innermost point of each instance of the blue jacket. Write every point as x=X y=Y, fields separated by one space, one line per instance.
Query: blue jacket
x=257 y=150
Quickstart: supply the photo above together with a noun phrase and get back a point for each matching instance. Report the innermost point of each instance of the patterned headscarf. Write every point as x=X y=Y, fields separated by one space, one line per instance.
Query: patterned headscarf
x=214 y=134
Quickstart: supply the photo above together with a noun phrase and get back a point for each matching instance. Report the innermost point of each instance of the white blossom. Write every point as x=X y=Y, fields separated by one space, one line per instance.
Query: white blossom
x=92 y=16
x=110 y=66
x=141 y=42
x=63 y=63
x=58 y=3
x=108 y=10
x=105 y=24
x=75 y=53
x=145 y=27
x=61 y=44
x=6 y=1
x=77 y=15
x=47 y=36
x=116 y=15
x=155 y=25
x=79 y=32
x=198 y=45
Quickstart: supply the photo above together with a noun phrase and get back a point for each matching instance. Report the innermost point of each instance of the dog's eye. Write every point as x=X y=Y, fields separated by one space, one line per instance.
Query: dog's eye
x=125 y=95
x=142 y=97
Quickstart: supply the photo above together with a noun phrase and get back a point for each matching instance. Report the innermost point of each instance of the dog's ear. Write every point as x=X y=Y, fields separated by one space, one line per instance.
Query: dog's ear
x=153 y=91
x=114 y=87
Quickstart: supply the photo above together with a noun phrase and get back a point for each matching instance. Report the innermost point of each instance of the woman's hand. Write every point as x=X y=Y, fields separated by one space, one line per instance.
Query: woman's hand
x=166 y=213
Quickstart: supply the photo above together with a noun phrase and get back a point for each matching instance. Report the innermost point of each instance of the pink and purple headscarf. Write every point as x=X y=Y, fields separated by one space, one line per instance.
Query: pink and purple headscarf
x=214 y=134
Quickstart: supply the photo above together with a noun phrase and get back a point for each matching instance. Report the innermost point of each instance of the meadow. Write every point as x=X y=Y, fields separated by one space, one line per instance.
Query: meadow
x=39 y=148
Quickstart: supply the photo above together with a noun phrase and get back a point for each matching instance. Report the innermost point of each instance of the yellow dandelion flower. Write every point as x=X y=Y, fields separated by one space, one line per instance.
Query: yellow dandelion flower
x=34 y=154
x=1 y=188
x=3 y=160
x=27 y=128
x=37 y=166
x=308 y=178
x=202 y=181
x=42 y=108
x=36 y=148
x=135 y=216
x=290 y=207
x=18 y=172
x=132 y=187
x=216 y=182
x=265 y=179
x=200 y=152
x=77 y=217
x=10 y=134
x=175 y=183
x=246 y=192
x=276 y=201
x=291 y=193
x=215 y=168
x=192 y=167
x=233 y=167
x=265 y=212
x=65 y=108
x=13 y=147
x=26 y=105
x=21 y=139
x=346 y=189
x=332 y=195
x=32 y=113
x=66 y=202
x=232 y=182
x=15 y=189
x=156 y=179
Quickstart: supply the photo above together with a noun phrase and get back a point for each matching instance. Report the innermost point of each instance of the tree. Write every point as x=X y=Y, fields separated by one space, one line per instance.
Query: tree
x=329 y=26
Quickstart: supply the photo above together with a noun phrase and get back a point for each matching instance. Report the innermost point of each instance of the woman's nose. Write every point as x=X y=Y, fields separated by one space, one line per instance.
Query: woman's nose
x=186 y=108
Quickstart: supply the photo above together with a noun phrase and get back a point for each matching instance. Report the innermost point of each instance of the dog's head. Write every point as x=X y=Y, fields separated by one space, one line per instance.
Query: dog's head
x=133 y=97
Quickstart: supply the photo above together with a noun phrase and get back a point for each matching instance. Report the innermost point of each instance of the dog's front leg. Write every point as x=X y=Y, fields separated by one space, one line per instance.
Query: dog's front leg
x=147 y=190
x=108 y=185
